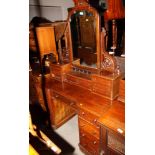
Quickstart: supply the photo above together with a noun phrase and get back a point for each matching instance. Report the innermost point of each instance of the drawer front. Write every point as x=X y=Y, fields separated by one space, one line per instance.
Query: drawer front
x=104 y=91
x=89 y=142
x=89 y=117
x=109 y=88
x=87 y=127
x=56 y=74
x=67 y=101
x=72 y=79
x=78 y=81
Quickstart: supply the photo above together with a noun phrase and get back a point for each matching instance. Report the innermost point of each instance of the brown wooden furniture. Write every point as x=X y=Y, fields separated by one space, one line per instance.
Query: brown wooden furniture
x=46 y=41
x=115 y=11
x=96 y=115
x=91 y=92
x=112 y=133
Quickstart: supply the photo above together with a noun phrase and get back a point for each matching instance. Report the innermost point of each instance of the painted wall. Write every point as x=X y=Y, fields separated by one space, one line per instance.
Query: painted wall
x=50 y=9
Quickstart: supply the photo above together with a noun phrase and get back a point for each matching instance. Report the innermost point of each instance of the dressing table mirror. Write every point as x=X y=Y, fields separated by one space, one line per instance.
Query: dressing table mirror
x=83 y=30
x=87 y=40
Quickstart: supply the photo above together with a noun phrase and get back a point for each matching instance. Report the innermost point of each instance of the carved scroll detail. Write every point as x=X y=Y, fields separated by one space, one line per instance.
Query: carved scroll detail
x=109 y=63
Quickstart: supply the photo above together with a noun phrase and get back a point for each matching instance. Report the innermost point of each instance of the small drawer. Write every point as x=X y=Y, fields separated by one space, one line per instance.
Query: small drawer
x=89 y=142
x=87 y=127
x=72 y=79
x=64 y=99
x=85 y=83
x=89 y=117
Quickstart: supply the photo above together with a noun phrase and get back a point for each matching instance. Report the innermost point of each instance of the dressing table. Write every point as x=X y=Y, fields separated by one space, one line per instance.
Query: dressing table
x=86 y=81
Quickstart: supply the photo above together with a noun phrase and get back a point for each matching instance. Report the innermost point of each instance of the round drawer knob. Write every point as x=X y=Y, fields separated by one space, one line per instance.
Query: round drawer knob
x=95 y=120
x=83 y=113
x=83 y=135
x=94 y=142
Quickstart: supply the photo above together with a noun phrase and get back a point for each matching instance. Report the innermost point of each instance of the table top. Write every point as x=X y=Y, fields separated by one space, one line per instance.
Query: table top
x=114 y=118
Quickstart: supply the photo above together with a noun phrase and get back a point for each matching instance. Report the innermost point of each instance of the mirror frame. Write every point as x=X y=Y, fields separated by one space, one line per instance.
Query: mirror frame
x=80 y=6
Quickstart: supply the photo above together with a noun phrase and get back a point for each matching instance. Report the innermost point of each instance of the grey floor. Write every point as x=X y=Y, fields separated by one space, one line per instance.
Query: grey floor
x=70 y=132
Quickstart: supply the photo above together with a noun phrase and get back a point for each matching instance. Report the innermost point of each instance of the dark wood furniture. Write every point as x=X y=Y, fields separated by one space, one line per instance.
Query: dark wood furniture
x=112 y=133
x=92 y=92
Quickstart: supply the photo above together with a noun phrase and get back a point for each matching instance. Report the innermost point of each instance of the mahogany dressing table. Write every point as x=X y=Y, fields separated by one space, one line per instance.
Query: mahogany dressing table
x=88 y=87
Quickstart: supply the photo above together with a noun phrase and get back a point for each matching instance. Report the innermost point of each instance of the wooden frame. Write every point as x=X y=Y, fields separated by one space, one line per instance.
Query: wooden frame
x=79 y=6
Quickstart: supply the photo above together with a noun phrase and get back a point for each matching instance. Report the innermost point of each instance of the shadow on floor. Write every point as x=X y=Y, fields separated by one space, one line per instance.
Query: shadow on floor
x=39 y=118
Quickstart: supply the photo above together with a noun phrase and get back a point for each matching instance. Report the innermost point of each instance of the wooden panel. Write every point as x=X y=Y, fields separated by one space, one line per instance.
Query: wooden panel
x=75 y=80
x=113 y=129
x=122 y=91
x=58 y=71
x=87 y=127
x=116 y=143
x=89 y=142
x=108 y=87
x=89 y=117
x=60 y=111
x=46 y=40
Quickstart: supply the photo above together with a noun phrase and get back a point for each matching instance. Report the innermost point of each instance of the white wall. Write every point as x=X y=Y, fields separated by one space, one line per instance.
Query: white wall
x=51 y=13
x=56 y=10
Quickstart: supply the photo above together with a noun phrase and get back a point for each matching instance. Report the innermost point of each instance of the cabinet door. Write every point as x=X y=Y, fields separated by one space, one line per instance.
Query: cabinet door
x=60 y=109
x=111 y=143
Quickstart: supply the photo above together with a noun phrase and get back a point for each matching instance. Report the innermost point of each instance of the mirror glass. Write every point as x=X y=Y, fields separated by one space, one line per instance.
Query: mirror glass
x=83 y=30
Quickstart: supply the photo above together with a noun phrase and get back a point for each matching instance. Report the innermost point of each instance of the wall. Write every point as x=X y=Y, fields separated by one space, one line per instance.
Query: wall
x=50 y=9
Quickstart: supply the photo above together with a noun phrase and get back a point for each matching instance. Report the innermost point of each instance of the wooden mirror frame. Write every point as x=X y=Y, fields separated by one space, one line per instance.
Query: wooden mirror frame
x=79 y=6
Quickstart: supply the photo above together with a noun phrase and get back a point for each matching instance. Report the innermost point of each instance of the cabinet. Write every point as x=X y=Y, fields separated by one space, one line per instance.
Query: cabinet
x=88 y=133
x=113 y=130
x=60 y=109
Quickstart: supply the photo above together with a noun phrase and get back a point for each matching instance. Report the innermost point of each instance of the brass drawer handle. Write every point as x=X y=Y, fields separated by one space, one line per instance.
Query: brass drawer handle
x=53 y=97
x=83 y=135
x=95 y=120
x=94 y=142
x=56 y=96
x=83 y=113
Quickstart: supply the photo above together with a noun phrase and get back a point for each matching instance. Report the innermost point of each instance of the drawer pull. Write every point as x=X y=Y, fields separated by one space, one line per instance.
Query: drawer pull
x=83 y=135
x=95 y=120
x=53 y=97
x=83 y=113
x=94 y=142
x=56 y=96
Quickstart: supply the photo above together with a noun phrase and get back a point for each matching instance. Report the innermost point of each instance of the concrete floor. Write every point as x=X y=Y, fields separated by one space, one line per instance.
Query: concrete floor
x=70 y=132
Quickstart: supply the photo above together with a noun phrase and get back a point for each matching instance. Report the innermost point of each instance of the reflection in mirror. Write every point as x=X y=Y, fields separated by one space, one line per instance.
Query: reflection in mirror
x=83 y=30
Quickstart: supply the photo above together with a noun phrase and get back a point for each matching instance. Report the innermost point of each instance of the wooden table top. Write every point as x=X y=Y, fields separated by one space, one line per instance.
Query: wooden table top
x=84 y=98
x=114 y=118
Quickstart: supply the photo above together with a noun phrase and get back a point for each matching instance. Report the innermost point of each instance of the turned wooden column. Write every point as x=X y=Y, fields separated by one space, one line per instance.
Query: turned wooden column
x=115 y=11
